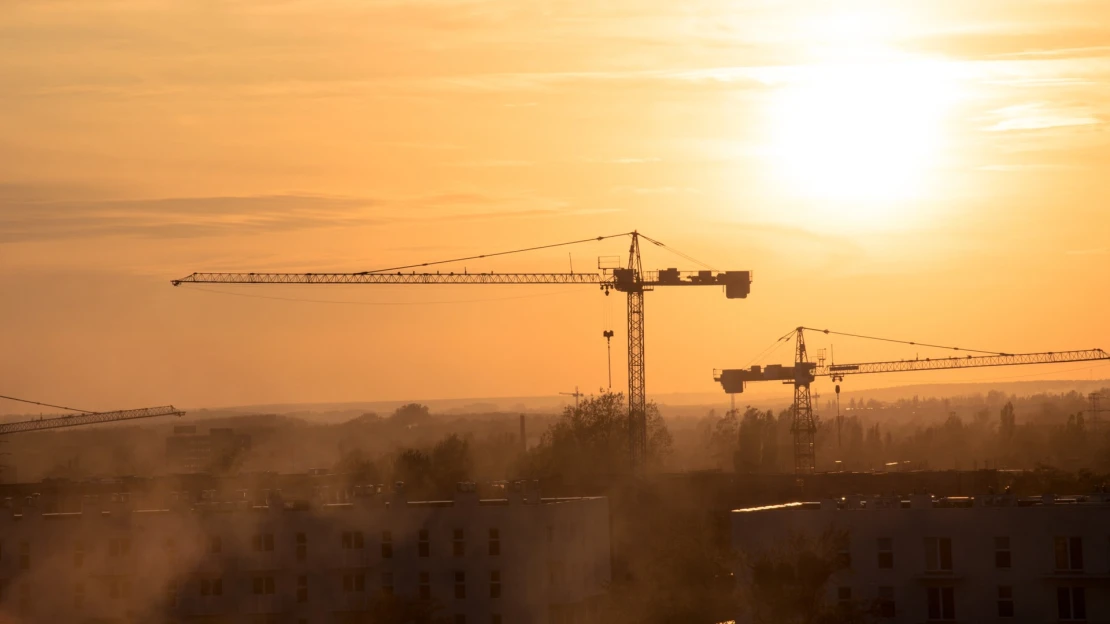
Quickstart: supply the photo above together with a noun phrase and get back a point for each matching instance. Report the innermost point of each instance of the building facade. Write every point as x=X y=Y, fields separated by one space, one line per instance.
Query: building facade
x=464 y=561
x=190 y=452
x=968 y=559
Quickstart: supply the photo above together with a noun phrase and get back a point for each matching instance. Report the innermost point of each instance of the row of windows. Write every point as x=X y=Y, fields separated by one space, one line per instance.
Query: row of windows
x=1068 y=554
x=1071 y=602
x=264 y=542
x=351 y=583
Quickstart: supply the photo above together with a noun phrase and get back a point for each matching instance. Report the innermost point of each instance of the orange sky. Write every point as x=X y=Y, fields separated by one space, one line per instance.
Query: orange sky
x=933 y=170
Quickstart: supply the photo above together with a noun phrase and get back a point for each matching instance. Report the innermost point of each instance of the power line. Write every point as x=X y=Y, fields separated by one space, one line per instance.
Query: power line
x=72 y=409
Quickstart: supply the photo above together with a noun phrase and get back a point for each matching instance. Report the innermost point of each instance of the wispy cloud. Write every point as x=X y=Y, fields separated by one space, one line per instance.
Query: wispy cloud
x=24 y=218
x=1098 y=251
x=655 y=190
x=493 y=162
x=1039 y=116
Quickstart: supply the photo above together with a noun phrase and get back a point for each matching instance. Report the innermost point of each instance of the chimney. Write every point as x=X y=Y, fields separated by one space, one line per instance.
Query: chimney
x=523 y=438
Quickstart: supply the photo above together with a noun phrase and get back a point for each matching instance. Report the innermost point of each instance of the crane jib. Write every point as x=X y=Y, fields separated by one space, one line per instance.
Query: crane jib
x=737 y=283
x=733 y=380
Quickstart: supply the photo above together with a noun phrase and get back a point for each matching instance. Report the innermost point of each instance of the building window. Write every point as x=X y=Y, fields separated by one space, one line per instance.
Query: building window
x=1005 y=601
x=425 y=586
x=1071 y=603
x=938 y=554
x=886 y=602
x=460 y=585
x=212 y=587
x=844 y=553
x=354 y=582
x=24 y=555
x=215 y=545
x=302 y=547
x=494 y=542
x=387 y=583
x=844 y=595
x=302 y=588
x=942 y=603
x=352 y=540
x=78 y=555
x=387 y=545
x=79 y=595
x=422 y=545
x=458 y=543
x=550 y=534
x=1002 y=556
x=495 y=584
x=1069 y=553
x=263 y=542
x=263 y=585
x=886 y=553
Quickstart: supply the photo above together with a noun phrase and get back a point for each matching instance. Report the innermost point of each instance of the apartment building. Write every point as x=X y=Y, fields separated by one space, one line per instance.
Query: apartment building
x=517 y=559
x=975 y=559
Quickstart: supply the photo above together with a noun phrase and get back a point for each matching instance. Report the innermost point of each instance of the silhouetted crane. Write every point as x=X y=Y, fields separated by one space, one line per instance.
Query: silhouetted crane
x=804 y=372
x=630 y=279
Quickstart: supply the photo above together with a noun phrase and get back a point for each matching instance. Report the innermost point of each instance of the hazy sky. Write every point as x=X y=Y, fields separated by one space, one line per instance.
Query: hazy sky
x=934 y=170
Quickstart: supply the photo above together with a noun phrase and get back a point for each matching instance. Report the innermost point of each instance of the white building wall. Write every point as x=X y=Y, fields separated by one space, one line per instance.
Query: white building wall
x=1033 y=576
x=119 y=564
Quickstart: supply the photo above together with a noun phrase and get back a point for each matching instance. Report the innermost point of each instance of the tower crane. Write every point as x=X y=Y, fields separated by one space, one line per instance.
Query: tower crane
x=630 y=279
x=803 y=373
x=84 y=417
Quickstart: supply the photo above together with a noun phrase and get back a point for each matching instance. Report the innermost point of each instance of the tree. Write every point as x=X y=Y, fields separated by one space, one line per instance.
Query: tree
x=723 y=437
x=750 y=452
x=410 y=415
x=357 y=467
x=413 y=467
x=451 y=462
x=788 y=583
x=592 y=439
x=1006 y=426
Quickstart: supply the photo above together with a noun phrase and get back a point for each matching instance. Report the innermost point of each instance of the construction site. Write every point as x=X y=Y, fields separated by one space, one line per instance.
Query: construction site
x=464 y=516
x=557 y=312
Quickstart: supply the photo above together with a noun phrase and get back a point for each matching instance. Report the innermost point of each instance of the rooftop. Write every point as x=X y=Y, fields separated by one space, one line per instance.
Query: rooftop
x=927 y=501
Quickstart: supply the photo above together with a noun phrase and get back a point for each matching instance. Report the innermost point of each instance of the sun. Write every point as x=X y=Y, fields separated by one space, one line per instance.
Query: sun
x=859 y=133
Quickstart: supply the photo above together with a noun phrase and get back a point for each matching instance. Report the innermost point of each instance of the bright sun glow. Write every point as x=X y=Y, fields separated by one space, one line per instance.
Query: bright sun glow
x=859 y=131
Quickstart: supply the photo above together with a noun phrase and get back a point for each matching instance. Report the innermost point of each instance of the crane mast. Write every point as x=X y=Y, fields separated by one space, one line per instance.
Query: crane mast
x=630 y=279
x=804 y=373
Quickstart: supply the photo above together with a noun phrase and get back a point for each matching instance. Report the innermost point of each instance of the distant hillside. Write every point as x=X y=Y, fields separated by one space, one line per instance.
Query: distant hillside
x=673 y=404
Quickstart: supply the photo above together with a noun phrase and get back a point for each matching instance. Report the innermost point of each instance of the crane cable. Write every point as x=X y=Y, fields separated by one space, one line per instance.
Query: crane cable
x=72 y=409
x=906 y=342
x=499 y=253
x=676 y=252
